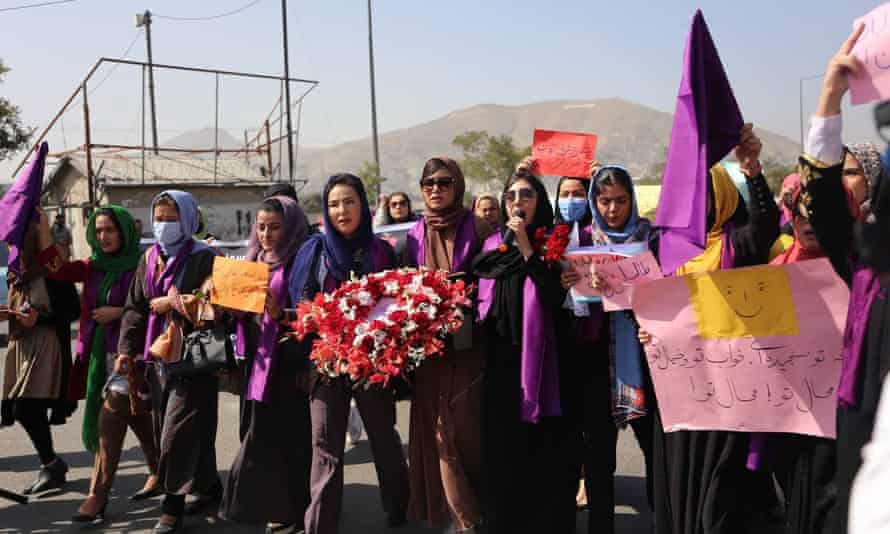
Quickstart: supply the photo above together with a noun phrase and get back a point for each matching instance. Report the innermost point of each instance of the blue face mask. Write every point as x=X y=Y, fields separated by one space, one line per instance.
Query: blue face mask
x=168 y=233
x=572 y=209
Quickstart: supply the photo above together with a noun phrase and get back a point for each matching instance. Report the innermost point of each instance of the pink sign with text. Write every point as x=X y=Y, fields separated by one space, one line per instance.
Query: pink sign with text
x=623 y=275
x=873 y=49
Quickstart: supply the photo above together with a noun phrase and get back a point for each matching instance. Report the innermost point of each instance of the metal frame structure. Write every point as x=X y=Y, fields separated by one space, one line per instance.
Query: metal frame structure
x=263 y=146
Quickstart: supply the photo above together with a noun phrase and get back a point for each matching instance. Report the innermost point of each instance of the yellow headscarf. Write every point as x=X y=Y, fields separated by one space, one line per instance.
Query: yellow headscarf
x=726 y=200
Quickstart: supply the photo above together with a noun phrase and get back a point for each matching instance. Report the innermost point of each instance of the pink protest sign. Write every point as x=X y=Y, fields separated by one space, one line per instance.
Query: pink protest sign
x=873 y=49
x=623 y=275
x=584 y=260
x=563 y=153
x=752 y=350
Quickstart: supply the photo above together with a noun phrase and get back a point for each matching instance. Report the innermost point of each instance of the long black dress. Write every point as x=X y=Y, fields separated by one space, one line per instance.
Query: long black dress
x=269 y=480
x=700 y=481
x=529 y=471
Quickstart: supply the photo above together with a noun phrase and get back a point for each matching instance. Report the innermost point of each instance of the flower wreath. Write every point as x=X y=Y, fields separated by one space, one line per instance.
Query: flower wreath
x=382 y=325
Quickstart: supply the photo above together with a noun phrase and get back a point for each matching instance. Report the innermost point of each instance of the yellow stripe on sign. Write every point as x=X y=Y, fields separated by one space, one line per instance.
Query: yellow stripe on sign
x=743 y=302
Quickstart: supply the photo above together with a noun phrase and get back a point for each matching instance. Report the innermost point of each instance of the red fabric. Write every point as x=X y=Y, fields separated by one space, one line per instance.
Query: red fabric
x=796 y=252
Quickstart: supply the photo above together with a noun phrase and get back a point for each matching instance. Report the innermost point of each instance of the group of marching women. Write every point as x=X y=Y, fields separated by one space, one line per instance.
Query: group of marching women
x=527 y=400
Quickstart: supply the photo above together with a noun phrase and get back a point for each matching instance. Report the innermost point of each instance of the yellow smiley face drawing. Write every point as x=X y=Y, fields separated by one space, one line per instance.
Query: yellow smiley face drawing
x=743 y=302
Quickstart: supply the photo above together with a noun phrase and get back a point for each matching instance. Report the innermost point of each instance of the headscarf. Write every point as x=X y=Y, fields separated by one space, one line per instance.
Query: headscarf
x=506 y=290
x=189 y=221
x=635 y=229
x=340 y=253
x=107 y=285
x=628 y=399
x=868 y=156
x=557 y=213
x=441 y=224
x=726 y=202
x=295 y=228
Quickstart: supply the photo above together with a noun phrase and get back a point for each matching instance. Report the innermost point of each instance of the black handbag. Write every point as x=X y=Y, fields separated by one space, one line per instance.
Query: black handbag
x=204 y=352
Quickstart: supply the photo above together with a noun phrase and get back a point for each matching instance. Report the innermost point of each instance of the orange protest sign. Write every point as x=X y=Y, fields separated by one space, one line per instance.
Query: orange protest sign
x=563 y=153
x=239 y=285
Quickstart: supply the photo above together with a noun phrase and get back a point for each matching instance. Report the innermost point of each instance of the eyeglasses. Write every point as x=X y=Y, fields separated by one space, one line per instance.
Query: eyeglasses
x=523 y=193
x=398 y=204
x=442 y=183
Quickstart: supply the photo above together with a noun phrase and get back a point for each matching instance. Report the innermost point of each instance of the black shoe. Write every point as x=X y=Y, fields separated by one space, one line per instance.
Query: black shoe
x=86 y=518
x=282 y=528
x=51 y=477
x=144 y=494
x=396 y=520
x=161 y=528
x=203 y=504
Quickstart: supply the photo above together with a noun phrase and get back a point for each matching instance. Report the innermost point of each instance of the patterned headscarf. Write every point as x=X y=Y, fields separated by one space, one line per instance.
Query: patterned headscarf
x=868 y=156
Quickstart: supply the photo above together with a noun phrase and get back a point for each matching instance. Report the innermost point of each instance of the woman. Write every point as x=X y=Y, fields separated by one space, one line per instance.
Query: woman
x=526 y=443
x=106 y=275
x=347 y=248
x=866 y=358
x=273 y=455
x=700 y=480
x=394 y=209
x=185 y=409
x=486 y=208
x=38 y=357
x=444 y=447
x=616 y=387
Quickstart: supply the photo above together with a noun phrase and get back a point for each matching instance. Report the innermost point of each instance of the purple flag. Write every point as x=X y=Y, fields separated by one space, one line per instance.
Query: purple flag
x=19 y=205
x=707 y=125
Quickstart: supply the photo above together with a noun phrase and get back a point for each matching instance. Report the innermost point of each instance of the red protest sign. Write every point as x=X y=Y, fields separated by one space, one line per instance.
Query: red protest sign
x=563 y=153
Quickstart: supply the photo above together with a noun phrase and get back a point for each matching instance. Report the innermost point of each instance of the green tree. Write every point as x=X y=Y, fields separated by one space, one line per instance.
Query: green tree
x=775 y=171
x=488 y=160
x=370 y=175
x=13 y=136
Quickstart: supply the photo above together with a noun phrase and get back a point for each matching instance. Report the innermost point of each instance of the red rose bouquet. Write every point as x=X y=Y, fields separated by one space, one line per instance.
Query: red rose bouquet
x=383 y=325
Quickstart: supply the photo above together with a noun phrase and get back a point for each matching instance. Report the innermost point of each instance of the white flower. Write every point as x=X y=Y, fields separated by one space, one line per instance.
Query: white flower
x=364 y=298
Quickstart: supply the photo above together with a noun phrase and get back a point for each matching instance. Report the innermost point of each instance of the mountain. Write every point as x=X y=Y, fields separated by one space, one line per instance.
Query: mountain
x=630 y=134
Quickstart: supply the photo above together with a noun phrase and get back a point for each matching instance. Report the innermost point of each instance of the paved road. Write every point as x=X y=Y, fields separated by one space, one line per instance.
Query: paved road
x=362 y=512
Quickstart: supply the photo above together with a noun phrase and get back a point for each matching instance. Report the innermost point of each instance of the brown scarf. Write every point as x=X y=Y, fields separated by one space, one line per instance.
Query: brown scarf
x=441 y=225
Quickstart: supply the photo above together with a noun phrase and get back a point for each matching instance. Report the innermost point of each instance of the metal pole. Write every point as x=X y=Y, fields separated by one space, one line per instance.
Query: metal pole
x=297 y=144
x=216 y=130
x=374 y=139
x=800 y=100
x=91 y=194
x=142 y=118
x=151 y=83
x=268 y=147
x=290 y=146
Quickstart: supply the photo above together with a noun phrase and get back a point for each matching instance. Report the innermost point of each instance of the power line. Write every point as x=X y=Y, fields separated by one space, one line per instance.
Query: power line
x=41 y=4
x=211 y=17
x=115 y=66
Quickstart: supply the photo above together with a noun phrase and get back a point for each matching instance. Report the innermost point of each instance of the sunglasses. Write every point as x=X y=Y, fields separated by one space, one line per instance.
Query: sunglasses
x=523 y=193
x=442 y=183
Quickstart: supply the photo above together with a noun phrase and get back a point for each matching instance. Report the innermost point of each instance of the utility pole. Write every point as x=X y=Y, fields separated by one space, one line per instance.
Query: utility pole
x=290 y=144
x=145 y=20
x=373 y=99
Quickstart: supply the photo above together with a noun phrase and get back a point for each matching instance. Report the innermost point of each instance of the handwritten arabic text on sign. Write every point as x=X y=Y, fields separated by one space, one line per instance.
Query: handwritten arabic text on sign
x=749 y=383
x=239 y=285
x=623 y=275
x=563 y=153
x=584 y=260
x=873 y=49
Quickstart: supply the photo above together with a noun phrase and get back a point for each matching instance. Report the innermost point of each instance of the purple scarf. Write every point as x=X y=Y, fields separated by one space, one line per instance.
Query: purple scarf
x=539 y=374
x=464 y=243
x=266 y=356
x=117 y=296
x=158 y=286
x=865 y=290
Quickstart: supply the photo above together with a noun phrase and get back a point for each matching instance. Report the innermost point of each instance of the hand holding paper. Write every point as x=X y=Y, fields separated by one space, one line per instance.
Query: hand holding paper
x=563 y=153
x=239 y=285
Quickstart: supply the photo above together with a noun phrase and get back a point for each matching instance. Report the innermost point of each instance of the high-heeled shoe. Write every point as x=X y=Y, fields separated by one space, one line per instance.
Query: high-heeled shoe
x=162 y=528
x=144 y=494
x=98 y=517
x=51 y=477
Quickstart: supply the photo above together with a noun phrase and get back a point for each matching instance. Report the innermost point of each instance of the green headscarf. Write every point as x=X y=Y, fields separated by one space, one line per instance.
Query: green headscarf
x=114 y=265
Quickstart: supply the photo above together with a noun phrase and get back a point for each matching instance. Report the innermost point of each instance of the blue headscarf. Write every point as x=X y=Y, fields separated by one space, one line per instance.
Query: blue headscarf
x=338 y=250
x=633 y=224
x=189 y=220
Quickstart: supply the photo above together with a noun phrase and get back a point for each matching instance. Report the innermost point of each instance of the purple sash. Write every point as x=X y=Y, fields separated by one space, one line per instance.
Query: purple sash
x=266 y=356
x=866 y=288
x=539 y=374
x=117 y=296
x=464 y=243
x=158 y=286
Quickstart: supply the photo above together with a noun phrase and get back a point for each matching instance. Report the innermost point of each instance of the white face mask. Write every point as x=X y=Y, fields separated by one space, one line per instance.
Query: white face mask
x=167 y=233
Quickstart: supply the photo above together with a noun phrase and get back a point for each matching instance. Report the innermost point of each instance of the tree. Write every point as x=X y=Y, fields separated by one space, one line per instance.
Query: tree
x=13 y=136
x=488 y=160
x=370 y=175
x=775 y=171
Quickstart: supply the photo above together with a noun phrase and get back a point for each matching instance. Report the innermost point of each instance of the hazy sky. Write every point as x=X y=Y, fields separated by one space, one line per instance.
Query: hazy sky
x=431 y=58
